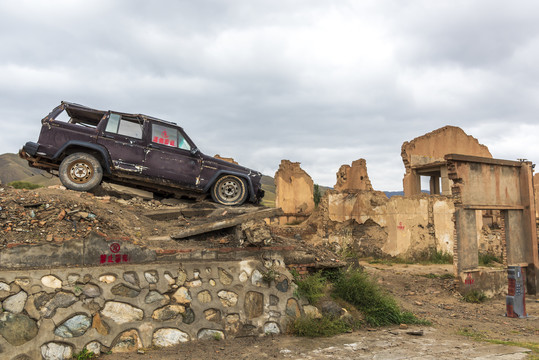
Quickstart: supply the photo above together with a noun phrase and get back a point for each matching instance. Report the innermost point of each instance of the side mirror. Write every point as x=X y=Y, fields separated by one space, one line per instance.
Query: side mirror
x=194 y=151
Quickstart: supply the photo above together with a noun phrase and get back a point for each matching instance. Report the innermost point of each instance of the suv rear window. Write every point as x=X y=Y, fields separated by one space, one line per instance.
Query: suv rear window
x=121 y=125
x=169 y=136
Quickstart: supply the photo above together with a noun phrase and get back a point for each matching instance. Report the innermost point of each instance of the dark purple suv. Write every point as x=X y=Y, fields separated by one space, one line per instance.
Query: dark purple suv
x=83 y=145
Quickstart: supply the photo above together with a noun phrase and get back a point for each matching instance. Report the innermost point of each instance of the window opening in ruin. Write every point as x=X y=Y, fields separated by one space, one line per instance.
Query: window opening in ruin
x=431 y=183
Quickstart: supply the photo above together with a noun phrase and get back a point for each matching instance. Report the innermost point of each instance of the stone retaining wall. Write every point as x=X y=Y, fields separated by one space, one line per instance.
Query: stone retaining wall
x=55 y=313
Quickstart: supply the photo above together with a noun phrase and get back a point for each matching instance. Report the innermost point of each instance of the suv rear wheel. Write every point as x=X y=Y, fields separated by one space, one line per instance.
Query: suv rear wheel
x=80 y=171
x=229 y=190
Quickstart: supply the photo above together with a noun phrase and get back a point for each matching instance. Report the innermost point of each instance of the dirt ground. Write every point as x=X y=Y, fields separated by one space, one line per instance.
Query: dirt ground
x=58 y=215
x=430 y=297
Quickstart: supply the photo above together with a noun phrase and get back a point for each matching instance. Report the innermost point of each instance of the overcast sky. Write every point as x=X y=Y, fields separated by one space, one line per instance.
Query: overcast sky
x=319 y=82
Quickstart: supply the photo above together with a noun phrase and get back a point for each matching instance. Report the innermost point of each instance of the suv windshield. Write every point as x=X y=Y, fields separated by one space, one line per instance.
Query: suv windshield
x=169 y=136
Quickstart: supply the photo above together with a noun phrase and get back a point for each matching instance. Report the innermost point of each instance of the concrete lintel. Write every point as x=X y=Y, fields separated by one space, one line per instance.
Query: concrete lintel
x=490 y=207
x=483 y=160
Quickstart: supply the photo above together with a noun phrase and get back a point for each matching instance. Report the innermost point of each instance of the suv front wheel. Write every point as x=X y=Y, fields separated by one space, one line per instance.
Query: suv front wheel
x=229 y=190
x=80 y=171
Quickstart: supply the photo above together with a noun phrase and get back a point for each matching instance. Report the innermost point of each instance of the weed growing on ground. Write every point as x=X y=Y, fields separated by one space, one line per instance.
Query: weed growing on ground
x=479 y=336
x=437 y=257
x=486 y=259
x=437 y=276
x=24 y=185
x=84 y=354
x=311 y=287
x=325 y=326
x=379 y=307
x=475 y=296
x=391 y=261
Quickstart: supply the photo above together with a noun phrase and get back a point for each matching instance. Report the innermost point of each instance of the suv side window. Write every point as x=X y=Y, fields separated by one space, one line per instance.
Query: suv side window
x=169 y=136
x=124 y=126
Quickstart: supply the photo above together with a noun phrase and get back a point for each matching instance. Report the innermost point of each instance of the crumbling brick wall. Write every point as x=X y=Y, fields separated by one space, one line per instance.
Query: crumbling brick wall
x=294 y=189
x=353 y=177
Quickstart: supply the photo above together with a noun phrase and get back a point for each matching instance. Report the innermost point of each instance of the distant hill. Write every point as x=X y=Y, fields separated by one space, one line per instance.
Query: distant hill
x=394 y=193
x=13 y=168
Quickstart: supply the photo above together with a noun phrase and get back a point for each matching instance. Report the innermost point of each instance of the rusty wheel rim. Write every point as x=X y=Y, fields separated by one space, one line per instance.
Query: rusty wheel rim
x=230 y=190
x=80 y=171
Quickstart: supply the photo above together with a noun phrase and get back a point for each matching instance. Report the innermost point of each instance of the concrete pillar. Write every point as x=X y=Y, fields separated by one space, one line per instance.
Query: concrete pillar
x=434 y=185
x=412 y=183
x=515 y=238
x=467 y=247
x=446 y=183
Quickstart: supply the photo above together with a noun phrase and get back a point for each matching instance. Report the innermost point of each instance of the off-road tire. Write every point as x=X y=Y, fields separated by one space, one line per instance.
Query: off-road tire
x=229 y=190
x=80 y=171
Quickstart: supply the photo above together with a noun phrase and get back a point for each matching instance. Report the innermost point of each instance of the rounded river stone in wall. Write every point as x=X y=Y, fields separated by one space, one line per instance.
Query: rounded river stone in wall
x=17 y=329
x=132 y=278
x=271 y=328
x=15 y=303
x=74 y=327
x=292 y=308
x=210 y=334
x=122 y=313
x=125 y=291
x=254 y=304
x=224 y=277
x=282 y=284
x=204 y=296
x=228 y=298
x=91 y=290
x=169 y=337
x=188 y=316
x=128 y=341
x=153 y=296
x=212 y=315
x=151 y=277
x=54 y=351
x=168 y=312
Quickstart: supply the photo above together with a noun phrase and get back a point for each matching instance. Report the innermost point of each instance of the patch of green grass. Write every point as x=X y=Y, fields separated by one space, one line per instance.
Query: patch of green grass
x=486 y=259
x=436 y=257
x=269 y=276
x=325 y=326
x=438 y=276
x=311 y=287
x=479 y=336
x=379 y=307
x=24 y=185
x=84 y=354
x=475 y=297
x=391 y=261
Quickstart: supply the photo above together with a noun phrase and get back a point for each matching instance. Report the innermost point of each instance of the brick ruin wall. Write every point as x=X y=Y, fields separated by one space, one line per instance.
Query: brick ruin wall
x=54 y=313
x=373 y=225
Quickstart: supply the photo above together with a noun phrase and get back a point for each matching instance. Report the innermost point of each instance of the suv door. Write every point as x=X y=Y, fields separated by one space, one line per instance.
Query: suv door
x=168 y=156
x=122 y=136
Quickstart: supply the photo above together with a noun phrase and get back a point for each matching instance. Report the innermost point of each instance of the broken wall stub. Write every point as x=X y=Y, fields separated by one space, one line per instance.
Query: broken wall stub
x=493 y=184
x=294 y=190
x=424 y=156
x=399 y=226
x=228 y=159
x=353 y=177
x=536 y=190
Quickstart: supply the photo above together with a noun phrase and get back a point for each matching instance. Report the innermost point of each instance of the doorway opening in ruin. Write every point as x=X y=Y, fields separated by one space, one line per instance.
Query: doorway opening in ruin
x=491 y=240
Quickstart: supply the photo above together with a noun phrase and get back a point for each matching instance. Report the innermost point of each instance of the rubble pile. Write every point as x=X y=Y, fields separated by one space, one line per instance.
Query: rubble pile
x=57 y=215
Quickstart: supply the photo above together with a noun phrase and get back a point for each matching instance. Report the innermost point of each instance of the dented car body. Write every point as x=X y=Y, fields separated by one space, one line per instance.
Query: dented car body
x=136 y=150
